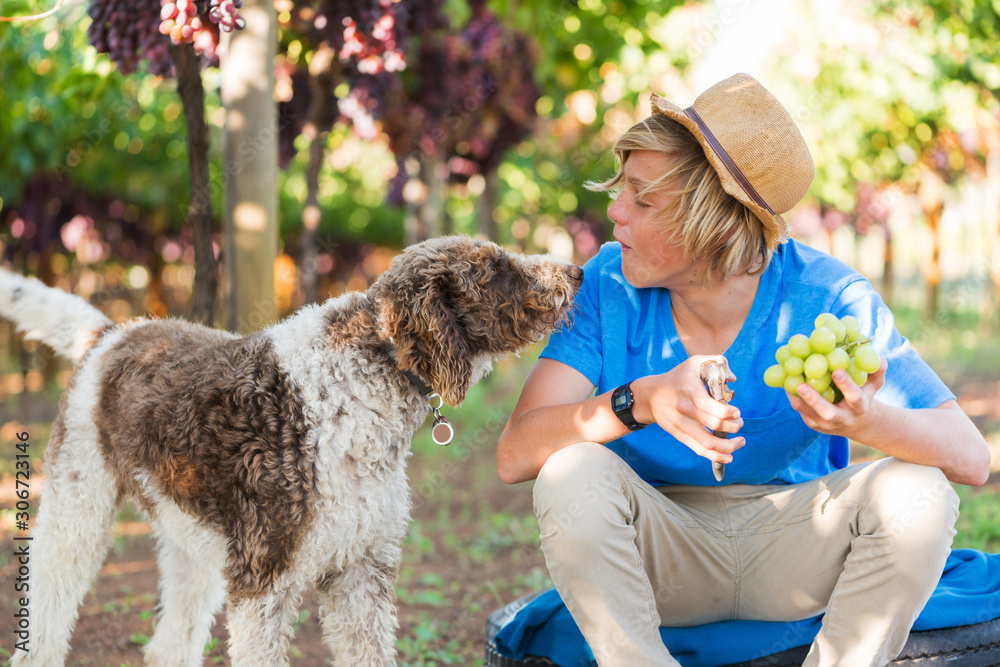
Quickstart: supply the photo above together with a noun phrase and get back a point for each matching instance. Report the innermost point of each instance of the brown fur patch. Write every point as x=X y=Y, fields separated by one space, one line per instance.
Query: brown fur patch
x=58 y=435
x=218 y=427
x=354 y=324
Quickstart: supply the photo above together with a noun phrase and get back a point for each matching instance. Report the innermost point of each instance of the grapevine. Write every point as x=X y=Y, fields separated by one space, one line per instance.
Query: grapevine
x=834 y=344
x=132 y=30
x=126 y=30
x=485 y=104
x=33 y=17
x=371 y=40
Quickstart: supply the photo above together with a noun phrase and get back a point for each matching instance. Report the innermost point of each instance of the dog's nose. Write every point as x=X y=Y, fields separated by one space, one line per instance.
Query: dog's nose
x=575 y=274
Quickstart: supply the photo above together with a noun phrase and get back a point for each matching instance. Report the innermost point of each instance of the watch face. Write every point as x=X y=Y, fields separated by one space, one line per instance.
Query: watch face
x=620 y=401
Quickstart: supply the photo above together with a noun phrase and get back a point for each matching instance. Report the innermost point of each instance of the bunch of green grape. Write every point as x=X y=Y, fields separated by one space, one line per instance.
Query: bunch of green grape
x=834 y=343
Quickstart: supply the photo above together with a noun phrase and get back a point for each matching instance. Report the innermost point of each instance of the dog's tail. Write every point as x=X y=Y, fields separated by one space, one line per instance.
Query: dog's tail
x=65 y=322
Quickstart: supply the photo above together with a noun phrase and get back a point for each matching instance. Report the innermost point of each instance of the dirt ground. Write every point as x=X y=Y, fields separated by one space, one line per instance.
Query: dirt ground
x=472 y=548
x=443 y=605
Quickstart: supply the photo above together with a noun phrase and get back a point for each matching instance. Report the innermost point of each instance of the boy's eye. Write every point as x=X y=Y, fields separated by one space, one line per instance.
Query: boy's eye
x=642 y=204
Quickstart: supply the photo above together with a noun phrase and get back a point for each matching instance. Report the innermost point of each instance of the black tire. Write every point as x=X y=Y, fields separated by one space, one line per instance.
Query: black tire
x=965 y=646
x=975 y=645
x=497 y=620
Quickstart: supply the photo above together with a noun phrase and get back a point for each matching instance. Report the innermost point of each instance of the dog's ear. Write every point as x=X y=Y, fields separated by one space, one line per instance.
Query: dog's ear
x=428 y=339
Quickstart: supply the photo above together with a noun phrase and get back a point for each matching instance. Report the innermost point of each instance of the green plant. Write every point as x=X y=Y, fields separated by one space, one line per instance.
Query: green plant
x=979 y=519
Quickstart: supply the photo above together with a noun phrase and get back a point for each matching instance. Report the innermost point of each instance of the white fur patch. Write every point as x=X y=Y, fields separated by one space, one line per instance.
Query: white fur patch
x=67 y=323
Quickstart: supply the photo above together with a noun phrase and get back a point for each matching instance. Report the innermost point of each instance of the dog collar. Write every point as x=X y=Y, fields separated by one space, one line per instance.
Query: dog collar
x=442 y=432
x=417 y=381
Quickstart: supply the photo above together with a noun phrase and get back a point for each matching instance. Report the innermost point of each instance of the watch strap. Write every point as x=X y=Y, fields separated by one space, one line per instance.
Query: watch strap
x=622 y=401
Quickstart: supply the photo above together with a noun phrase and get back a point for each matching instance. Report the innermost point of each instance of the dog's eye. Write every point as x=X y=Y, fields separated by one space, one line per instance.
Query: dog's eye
x=500 y=271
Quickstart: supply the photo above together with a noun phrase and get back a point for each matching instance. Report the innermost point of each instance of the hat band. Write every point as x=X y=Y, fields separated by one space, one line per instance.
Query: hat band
x=726 y=160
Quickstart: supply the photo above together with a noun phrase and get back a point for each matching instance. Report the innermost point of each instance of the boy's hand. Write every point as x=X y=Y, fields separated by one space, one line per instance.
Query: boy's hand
x=678 y=401
x=843 y=418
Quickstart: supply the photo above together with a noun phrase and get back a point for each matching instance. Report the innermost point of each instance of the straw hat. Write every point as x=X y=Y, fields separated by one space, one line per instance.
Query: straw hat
x=753 y=144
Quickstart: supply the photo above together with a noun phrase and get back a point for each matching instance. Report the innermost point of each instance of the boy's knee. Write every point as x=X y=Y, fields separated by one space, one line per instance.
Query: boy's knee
x=577 y=482
x=917 y=501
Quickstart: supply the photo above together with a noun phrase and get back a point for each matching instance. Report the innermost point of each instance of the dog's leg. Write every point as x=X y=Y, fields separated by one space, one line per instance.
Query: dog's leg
x=70 y=540
x=192 y=592
x=358 y=610
x=261 y=628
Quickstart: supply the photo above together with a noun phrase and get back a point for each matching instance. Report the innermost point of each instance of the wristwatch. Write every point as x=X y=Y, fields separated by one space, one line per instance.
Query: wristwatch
x=622 y=402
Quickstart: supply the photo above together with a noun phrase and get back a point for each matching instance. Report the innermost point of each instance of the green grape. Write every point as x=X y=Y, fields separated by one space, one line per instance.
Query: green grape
x=837 y=358
x=859 y=376
x=793 y=381
x=782 y=354
x=838 y=329
x=852 y=326
x=830 y=321
x=799 y=346
x=823 y=340
x=822 y=319
x=775 y=376
x=794 y=366
x=815 y=366
x=835 y=344
x=866 y=359
x=820 y=384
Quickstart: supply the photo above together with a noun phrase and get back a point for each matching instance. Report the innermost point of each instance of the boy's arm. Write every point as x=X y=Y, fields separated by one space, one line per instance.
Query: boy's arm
x=554 y=411
x=942 y=437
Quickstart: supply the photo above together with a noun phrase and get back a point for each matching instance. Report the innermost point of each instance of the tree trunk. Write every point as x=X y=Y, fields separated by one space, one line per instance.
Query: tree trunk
x=414 y=194
x=432 y=210
x=487 y=204
x=412 y=233
x=199 y=212
x=320 y=80
x=934 y=270
x=424 y=195
x=930 y=192
x=888 y=279
x=251 y=169
x=993 y=218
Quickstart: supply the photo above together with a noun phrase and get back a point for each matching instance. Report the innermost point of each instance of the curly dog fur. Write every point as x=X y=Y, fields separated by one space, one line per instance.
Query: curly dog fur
x=270 y=462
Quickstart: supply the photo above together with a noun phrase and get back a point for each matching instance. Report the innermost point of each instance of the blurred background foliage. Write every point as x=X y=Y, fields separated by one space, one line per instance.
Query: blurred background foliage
x=485 y=117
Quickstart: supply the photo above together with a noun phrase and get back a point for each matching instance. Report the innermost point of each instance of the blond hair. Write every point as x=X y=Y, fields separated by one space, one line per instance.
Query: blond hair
x=704 y=220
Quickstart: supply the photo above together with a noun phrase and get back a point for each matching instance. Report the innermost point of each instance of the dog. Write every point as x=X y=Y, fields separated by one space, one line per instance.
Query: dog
x=270 y=462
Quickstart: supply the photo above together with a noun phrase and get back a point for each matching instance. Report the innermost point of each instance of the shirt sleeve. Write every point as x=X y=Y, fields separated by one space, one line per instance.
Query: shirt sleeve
x=909 y=380
x=579 y=344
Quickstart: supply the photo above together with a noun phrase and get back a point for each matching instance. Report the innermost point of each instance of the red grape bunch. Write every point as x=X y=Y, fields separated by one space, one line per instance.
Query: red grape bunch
x=833 y=344
x=183 y=20
x=373 y=35
x=224 y=13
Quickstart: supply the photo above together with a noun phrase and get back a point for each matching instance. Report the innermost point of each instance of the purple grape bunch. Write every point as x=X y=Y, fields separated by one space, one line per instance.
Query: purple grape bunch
x=126 y=31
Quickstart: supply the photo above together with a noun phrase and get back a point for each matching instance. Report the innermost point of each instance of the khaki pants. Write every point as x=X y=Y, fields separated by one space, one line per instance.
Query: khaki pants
x=866 y=545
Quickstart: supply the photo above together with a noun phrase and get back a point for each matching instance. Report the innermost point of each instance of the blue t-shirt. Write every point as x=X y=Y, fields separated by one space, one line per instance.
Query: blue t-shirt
x=621 y=333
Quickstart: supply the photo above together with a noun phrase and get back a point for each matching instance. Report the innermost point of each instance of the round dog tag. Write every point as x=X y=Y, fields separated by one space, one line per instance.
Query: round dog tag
x=442 y=432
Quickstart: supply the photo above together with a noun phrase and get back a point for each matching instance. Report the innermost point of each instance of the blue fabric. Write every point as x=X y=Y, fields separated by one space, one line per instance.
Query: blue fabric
x=621 y=333
x=968 y=592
